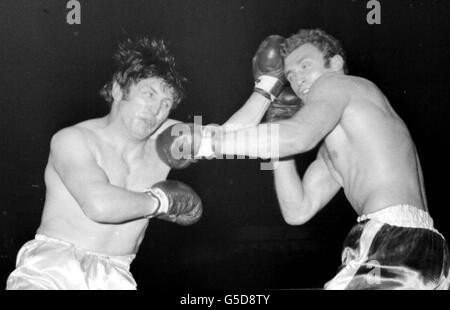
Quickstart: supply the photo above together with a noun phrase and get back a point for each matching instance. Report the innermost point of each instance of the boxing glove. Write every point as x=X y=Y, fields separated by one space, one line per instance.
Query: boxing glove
x=177 y=202
x=268 y=67
x=181 y=144
x=284 y=107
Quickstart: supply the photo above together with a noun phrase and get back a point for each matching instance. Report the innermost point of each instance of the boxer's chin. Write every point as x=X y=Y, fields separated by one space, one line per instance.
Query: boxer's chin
x=143 y=128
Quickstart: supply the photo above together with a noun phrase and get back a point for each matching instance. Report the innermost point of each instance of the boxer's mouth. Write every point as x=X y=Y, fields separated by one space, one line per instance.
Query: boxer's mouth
x=147 y=117
x=149 y=121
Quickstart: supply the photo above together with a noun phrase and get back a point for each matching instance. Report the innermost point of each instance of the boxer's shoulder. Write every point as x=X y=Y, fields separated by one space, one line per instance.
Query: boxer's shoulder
x=93 y=124
x=85 y=129
x=341 y=85
x=74 y=139
x=331 y=88
x=359 y=83
x=65 y=136
x=334 y=81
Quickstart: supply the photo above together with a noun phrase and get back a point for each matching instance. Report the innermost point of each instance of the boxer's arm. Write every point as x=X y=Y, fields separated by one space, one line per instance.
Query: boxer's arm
x=86 y=181
x=250 y=114
x=300 y=199
x=321 y=113
x=268 y=72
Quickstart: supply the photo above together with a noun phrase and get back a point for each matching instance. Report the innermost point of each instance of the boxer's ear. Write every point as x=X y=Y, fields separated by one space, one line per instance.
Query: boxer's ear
x=116 y=92
x=337 y=63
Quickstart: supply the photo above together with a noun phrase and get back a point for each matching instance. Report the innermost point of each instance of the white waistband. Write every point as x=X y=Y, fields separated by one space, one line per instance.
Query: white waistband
x=403 y=216
x=124 y=259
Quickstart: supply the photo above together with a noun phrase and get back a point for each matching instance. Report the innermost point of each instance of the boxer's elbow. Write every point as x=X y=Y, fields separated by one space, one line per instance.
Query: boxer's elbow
x=295 y=219
x=95 y=209
x=295 y=215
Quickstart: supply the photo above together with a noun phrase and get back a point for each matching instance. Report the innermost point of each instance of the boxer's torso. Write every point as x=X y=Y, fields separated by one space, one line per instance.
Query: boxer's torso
x=371 y=153
x=62 y=216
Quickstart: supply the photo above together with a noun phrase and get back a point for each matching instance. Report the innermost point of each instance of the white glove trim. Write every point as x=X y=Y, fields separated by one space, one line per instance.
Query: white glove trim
x=270 y=85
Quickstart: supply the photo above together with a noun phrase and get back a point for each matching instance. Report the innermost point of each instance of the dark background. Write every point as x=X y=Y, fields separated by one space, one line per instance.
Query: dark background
x=51 y=73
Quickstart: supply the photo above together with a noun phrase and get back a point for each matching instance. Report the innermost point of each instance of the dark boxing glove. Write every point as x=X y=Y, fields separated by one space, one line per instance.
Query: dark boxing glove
x=268 y=67
x=181 y=144
x=284 y=107
x=177 y=145
x=178 y=202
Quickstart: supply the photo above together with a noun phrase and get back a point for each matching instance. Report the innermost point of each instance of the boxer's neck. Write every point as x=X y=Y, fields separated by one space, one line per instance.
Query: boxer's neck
x=121 y=139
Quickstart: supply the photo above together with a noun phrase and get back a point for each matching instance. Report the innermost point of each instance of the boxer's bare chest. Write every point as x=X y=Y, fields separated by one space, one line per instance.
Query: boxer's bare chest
x=136 y=172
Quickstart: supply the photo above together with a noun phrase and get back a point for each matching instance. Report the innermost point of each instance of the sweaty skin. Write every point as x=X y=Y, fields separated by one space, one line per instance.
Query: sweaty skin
x=369 y=153
x=364 y=146
x=98 y=170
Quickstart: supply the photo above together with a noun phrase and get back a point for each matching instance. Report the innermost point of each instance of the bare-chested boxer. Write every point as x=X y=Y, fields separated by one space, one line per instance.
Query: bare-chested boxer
x=105 y=179
x=364 y=148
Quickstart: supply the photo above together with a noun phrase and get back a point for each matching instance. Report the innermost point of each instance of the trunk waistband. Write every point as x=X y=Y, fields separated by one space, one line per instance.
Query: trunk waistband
x=402 y=215
x=121 y=259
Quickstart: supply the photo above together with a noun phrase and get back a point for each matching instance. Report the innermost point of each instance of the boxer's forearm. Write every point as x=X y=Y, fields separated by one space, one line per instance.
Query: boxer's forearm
x=251 y=112
x=269 y=140
x=254 y=141
x=290 y=194
x=114 y=205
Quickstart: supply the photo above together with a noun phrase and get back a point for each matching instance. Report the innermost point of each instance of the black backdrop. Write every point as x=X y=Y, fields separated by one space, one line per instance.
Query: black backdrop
x=51 y=73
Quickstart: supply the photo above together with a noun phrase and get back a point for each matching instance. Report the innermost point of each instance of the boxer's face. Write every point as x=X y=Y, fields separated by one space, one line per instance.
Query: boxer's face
x=147 y=105
x=303 y=67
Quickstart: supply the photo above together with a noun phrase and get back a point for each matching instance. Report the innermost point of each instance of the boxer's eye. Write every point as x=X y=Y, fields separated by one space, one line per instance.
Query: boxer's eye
x=148 y=93
x=304 y=66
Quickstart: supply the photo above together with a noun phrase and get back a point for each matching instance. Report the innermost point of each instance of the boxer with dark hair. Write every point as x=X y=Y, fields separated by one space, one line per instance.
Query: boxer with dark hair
x=136 y=60
x=364 y=148
x=104 y=181
x=105 y=177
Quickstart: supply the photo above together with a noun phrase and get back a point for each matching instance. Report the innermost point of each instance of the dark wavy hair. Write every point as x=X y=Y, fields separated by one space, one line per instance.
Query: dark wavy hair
x=323 y=41
x=140 y=59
